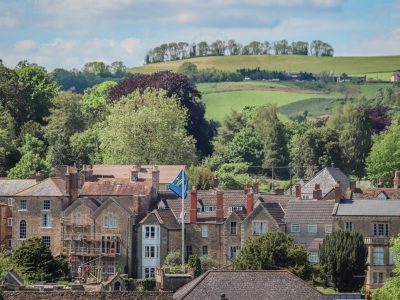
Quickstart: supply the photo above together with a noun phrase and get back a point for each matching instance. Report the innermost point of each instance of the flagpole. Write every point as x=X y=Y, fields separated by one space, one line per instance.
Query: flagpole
x=183 y=219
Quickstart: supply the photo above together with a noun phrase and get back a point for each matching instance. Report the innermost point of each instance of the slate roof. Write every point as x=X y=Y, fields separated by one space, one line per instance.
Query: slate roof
x=275 y=210
x=326 y=178
x=167 y=172
x=50 y=187
x=310 y=211
x=8 y=187
x=254 y=285
x=115 y=187
x=166 y=217
x=369 y=208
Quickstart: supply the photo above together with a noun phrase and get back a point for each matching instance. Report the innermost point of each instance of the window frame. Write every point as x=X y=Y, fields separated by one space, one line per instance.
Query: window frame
x=233 y=252
x=381 y=228
x=150 y=251
x=260 y=224
x=311 y=226
x=348 y=225
x=233 y=232
x=22 y=230
x=204 y=250
x=20 y=205
x=313 y=254
x=148 y=234
x=149 y=272
x=46 y=240
x=9 y=222
x=204 y=231
x=46 y=220
x=46 y=205
x=10 y=201
x=378 y=256
x=292 y=226
x=377 y=277
x=329 y=230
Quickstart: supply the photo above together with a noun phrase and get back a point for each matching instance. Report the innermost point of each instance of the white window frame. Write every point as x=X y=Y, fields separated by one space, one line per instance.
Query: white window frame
x=148 y=232
x=151 y=251
x=20 y=205
x=313 y=257
x=149 y=272
x=46 y=205
x=233 y=227
x=378 y=256
x=204 y=231
x=110 y=221
x=328 y=228
x=259 y=227
x=22 y=231
x=381 y=229
x=293 y=226
x=10 y=201
x=348 y=225
x=46 y=221
x=9 y=221
x=312 y=226
x=46 y=240
x=377 y=277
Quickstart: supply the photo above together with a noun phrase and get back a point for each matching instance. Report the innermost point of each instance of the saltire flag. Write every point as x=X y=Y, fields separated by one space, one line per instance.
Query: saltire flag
x=176 y=185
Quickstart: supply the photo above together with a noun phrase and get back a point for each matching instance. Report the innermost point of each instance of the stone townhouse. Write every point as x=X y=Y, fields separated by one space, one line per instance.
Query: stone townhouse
x=216 y=224
x=378 y=221
x=309 y=222
x=8 y=187
x=98 y=229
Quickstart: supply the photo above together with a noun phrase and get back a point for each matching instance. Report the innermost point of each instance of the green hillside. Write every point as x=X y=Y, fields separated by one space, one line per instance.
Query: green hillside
x=370 y=65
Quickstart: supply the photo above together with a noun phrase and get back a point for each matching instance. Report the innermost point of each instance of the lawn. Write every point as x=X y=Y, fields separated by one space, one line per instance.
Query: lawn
x=373 y=66
x=325 y=290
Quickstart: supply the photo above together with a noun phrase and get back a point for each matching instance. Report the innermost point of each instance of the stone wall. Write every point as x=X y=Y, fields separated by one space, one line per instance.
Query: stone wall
x=68 y=295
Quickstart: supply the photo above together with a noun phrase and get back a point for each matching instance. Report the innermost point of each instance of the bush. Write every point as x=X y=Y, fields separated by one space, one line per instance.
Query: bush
x=195 y=264
x=207 y=263
x=173 y=259
x=148 y=284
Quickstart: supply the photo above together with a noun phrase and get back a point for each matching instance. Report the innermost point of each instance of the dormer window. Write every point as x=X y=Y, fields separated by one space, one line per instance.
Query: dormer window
x=235 y=208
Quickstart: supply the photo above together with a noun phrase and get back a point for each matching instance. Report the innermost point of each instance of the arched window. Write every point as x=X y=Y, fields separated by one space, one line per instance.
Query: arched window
x=22 y=229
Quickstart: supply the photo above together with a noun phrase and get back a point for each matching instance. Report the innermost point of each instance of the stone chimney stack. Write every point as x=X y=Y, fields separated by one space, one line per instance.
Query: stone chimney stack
x=193 y=206
x=338 y=191
x=155 y=178
x=396 y=180
x=255 y=186
x=87 y=172
x=317 y=193
x=134 y=174
x=298 y=190
x=249 y=202
x=72 y=184
x=220 y=206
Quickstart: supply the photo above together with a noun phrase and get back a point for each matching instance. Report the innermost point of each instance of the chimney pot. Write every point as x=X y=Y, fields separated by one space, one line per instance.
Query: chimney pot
x=249 y=202
x=220 y=206
x=298 y=190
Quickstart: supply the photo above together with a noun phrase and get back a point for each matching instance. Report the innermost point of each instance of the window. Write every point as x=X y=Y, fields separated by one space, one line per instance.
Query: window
x=235 y=208
x=46 y=241
x=10 y=201
x=110 y=221
x=204 y=231
x=259 y=227
x=108 y=268
x=149 y=273
x=233 y=228
x=295 y=228
x=233 y=252
x=77 y=219
x=9 y=222
x=189 y=252
x=313 y=257
x=151 y=251
x=207 y=209
x=392 y=256
x=377 y=277
x=22 y=204
x=151 y=232
x=46 y=204
x=328 y=228
x=46 y=220
x=348 y=226
x=312 y=228
x=377 y=256
x=22 y=230
x=381 y=229
x=205 y=250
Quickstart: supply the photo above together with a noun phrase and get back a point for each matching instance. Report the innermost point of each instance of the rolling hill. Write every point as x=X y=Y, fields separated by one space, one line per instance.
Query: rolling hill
x=374 y=66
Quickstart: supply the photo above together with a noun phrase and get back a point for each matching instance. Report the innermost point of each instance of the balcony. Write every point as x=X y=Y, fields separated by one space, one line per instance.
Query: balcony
x=377 y=240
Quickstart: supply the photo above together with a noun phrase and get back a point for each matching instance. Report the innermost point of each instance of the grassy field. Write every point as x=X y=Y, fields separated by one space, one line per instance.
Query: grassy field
x=220 y=98
x=372 y=66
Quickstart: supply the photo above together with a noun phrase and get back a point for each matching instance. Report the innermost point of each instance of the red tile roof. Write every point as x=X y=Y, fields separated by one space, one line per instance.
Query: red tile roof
x=115 y=187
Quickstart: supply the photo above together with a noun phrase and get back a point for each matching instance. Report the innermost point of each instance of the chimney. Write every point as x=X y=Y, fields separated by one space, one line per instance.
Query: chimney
x=317 y=192
x=255 y=185
x=298 y=190
x=134 y=173
x=193 y=206
x=396 y=180
x=338 y=191
x=155 y=178
x=220 y=206
x=249 y=202
x=87 y=172
x=39 y=176
x=72 y=184
x=353 y=185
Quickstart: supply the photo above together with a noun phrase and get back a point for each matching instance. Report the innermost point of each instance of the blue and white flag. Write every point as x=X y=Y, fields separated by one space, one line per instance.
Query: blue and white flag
x=176 y=185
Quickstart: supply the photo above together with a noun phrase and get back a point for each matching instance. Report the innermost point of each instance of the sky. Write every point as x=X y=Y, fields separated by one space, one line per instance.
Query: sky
x=68 y=33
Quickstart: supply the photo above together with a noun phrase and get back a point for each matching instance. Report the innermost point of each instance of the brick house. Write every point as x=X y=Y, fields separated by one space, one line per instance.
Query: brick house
x=309 y=222
x=377 y=221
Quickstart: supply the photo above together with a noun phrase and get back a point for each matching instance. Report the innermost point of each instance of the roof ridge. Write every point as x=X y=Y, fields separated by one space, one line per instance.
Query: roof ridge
x=200 y=279
x=32 y=186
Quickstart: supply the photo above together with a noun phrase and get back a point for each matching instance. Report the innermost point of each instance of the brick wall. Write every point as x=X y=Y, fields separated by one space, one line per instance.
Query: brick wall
x=68 y=295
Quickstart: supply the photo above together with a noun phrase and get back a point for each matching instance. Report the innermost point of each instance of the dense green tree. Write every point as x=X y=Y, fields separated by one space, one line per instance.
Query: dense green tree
x=94 y=103
x=343 y=257
x=391 y=288
x=384 y=158
x=33 y=152
x=200 y=178
x=35 y=262
x=195 y=264
x=233 y=175
x=7 y=152
x=271 y=132
x=85 y=145
x=313 y=150
x=233 y=123
x=148 y=127
x=273 y=251
x=354 y=128
x=189 y=70
x=60 y=152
